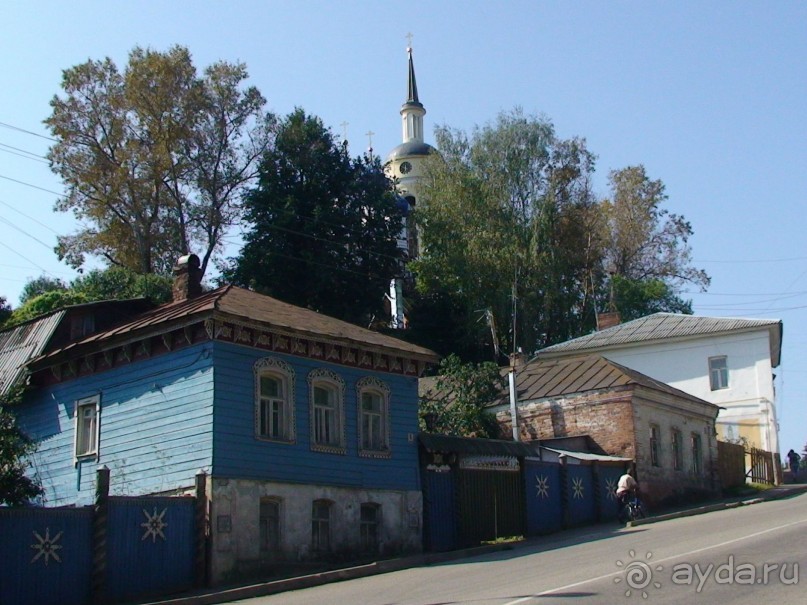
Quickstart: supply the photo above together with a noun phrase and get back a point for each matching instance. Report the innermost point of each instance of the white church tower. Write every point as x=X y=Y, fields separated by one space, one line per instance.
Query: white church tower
x=405 y=165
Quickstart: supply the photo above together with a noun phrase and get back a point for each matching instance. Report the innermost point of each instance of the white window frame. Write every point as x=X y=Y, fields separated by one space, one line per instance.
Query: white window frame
x=80 y=432
x=718 y=374
x=696 y=444
x=379 y=388
x=333 y=384
x=284 y=373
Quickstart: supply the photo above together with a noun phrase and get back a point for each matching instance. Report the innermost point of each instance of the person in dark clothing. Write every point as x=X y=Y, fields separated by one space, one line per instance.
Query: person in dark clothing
x=794 y=459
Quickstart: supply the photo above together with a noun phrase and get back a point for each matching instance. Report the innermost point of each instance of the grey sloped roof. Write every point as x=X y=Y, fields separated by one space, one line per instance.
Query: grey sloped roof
x=22 y=343
x=409 y=149
x=667 y=326
x=544 y=378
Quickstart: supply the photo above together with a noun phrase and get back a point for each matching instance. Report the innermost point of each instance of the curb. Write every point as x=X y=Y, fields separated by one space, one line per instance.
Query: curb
x=709 y=508
x=214 y=597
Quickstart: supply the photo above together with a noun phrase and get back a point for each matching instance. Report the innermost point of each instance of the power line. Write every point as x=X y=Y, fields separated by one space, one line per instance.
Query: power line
x=28 y=216
x=36 y=134
x=8 y=178
x=23 y=154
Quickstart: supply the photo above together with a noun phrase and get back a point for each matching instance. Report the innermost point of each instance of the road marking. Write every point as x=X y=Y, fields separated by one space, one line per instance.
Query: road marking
x=678 y=556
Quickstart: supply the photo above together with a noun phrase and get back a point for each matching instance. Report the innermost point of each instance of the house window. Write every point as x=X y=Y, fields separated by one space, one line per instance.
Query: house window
x=370 y=520
x=654 y=445
x=269 y=525
x=274 y=400
x=373 y=397
x=697 y=463
x=327 y=411
x=718 y=373
x=678 y=454
x=87 y=426
x=321 y=525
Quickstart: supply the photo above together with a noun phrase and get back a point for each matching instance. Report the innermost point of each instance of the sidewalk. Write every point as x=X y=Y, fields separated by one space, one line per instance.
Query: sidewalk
x=212 y=596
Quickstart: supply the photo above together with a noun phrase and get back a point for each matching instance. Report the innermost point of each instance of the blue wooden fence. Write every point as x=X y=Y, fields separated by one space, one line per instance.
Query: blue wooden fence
x=544 y=498
x=119 y=549
x=439 y=511
x=46 y=556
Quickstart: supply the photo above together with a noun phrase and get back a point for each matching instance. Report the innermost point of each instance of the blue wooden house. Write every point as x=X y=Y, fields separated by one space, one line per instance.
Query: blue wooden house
x=305 y=425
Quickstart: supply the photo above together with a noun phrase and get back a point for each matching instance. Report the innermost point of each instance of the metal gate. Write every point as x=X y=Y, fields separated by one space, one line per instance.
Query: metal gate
x=491 y=505
x=607 y=479
x=150 y=546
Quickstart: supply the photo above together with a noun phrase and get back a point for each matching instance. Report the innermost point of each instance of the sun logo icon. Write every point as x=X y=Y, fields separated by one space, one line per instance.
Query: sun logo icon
x=542 y=485
x=610 y=489
x=638 y=574
x=577 y=488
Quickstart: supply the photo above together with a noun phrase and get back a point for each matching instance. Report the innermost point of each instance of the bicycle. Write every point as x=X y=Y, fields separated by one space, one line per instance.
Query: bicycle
x=632 y=508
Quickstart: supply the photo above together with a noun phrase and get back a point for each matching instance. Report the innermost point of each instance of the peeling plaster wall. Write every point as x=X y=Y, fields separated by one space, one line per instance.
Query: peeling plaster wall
x=235 y=532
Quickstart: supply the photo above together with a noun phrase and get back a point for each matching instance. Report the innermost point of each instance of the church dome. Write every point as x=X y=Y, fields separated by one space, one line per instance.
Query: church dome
x=409 y=149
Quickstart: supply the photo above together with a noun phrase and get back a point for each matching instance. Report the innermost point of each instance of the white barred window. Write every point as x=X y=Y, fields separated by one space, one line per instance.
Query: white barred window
x=327 y=397
x=274 y=400
x=373 y=400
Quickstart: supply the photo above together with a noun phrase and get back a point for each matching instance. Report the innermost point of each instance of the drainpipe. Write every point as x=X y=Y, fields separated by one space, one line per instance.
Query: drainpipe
x=513 y=411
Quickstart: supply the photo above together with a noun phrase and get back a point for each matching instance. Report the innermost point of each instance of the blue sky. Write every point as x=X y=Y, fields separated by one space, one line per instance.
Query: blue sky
x=710 y=97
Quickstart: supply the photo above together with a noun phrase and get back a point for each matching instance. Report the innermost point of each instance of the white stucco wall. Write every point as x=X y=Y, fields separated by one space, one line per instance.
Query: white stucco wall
x=750 y=397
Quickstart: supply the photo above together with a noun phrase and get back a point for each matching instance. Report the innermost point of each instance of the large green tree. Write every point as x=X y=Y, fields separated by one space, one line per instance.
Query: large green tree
x=455 y=403
x=115 y=283
x=321 y=225
x=509 y=225
x=154 y=158
x=16 y=487
x=643 y=241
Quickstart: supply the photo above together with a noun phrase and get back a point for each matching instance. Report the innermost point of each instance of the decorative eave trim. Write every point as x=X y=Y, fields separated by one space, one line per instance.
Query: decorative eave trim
x=257 y=335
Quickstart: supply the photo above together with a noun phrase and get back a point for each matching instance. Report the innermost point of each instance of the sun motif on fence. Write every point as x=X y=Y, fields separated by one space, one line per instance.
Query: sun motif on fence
x=610 y=488
x=577 y=487
x=46 y=547
x=154 y=525
x=542 y=485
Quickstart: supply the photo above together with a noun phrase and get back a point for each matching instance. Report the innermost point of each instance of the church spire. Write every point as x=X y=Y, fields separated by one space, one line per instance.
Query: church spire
x=412 y=111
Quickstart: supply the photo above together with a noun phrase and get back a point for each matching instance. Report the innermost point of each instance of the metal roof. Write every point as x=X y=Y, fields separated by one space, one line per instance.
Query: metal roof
x=544 y=378
x=238 y=303
x=586 y=455
x=476 y=446
x=667 y=326
x=22 y=343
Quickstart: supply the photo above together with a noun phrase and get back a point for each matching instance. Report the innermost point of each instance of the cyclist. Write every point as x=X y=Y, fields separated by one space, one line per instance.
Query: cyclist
x=625 y=490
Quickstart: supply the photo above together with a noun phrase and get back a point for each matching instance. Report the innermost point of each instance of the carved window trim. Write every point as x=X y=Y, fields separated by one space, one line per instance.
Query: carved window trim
x=374 y=386
x=334 y=384
x=284 y=373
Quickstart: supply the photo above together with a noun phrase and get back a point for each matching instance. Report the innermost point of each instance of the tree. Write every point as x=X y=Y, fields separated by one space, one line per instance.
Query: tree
x=154 y=159
x=15 y=487
x=638 y=298
x=115 y=283
x=456 y=403
x=322 y=226
x=509 y=226
x=40 y=285
x=643 y=241
x=5 y=312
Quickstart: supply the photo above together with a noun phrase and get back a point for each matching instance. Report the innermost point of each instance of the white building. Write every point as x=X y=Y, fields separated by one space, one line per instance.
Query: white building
x=725 y=361
x=405 y=166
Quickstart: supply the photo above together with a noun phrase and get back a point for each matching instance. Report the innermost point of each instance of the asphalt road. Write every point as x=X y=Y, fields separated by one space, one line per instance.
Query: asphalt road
x=753 y=554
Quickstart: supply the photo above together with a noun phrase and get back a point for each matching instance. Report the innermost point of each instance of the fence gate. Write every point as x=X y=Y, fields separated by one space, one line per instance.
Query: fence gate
x=150 y=546
x=607 y=480
x=491 y=504
x=582 y=507
x=46 y=556
x=543 y=497
x=439 y=511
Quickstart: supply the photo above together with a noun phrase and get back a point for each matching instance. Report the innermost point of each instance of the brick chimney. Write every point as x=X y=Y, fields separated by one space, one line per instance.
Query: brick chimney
x=187 y=278
x=608 y=320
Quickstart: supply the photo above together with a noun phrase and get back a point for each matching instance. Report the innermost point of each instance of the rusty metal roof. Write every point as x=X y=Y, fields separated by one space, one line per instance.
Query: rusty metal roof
x=240 y=304
x=545 y=378
x=667 y=326
x=21 y=344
